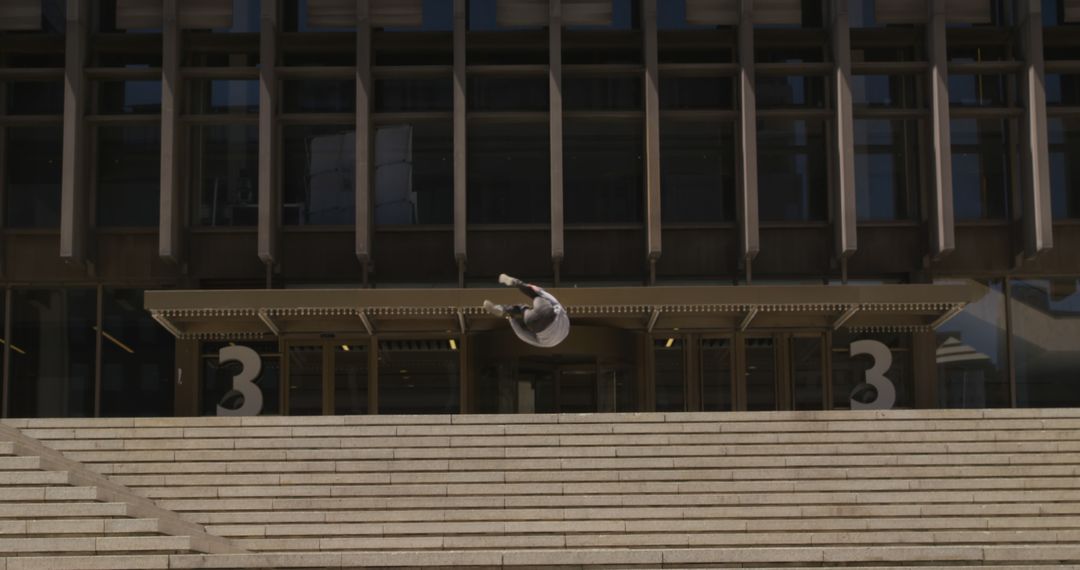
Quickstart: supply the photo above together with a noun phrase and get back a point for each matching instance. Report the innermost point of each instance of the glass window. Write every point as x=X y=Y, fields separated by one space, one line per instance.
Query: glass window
x=350 y=379
x=217 y=378
x=245 y=17
x=32 y=188
x=501 y=152
x=225 y=175
x=849 y=374
x=219 y=96
x=483 y=15
x=526 y=93
x=807 y=390
x=760 y=374
x=129 y=176
x=1064 y=135
x=305 y=380
x=697 y=171
x=669 y=372
x=52 y=352
x=884 y=91
x=671 y=15
x=129 y=97
x=792 y=91
x=136 y=358
x=415 y=94
x=1046 y=342
x=978 y=90
x=414 y=173
x=625 y=15
x=319 y=183
x=696 y=92
x=418 y=377
x=981 y=173
x=886 y=169
x=111 y=15
x=603 y=177
x=296 y=18
x=319 y=96
x=716 y=375
x=792 y=170
x=972 y=362
x=1063 y=89
x=602 y=93
x=35 y=97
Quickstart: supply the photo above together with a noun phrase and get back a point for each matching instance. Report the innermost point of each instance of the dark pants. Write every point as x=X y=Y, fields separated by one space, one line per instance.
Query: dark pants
x=537 y=317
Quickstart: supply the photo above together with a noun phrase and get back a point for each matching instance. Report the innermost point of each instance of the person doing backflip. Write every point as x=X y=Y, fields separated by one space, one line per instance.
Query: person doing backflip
x=543 y=324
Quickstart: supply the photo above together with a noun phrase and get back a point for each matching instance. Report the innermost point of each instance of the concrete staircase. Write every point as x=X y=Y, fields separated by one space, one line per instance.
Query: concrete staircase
x=956 y=489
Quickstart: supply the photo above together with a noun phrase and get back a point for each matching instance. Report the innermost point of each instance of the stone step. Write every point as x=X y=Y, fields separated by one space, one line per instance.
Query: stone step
x=51 y=493
x=19 y=463
x=90 y=526
x=7 y=448
x=28 y=510
x=118 y=544
x=36 y=478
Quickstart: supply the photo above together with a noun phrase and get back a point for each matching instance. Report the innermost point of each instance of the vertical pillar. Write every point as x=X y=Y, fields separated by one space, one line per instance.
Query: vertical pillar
x=460 y=180
x=652 y=138
x=373 y=375
x=746 y=198
x=269 y=204
x=555 y=126
x=1038 y=216
x=942 y=233
x=171 y=219
x=6 y=412
x=73 y=185
x=364 y=135
x=844 y=214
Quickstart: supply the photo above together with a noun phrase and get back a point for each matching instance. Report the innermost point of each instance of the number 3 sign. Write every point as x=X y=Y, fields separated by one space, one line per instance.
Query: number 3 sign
x=886 y=392
x=244 y=382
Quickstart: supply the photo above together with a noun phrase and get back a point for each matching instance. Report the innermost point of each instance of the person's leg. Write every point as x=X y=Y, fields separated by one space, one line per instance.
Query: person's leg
x=540 y=315
x=508 y=311
x=532 y=291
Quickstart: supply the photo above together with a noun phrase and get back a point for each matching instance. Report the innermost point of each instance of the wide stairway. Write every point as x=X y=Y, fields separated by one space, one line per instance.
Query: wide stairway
x=954 y=489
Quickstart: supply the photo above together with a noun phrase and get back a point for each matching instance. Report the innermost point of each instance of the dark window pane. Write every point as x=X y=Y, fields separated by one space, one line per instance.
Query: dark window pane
x=305 y=380
x=319 y=96
x=807 y=388
x=716 y=375
x=972 y=360
x=406 y=49
x=978 y=90
x=697 y=171
x=527 y=93
x=421 y=94
x=672 y=15
x=214 y=96
x=977 y=54
x=695 y=47
x=414 y=173
x=136 y=358
x=602 y=93
x=501 y=152
x=212 y=55
x=296 y=18
x=669 y=371
x=1063 y=89
x=110 y=18
x=886 y=169
x=217 y=379
x=350 y=379
x=792 y=170
x=603 y=171
x=133 y=97
x=1046 y=342
x=319 y=175
x=760 y=374
x=418 y=377
x=52 y=352
x=625 y=15
x=884 y=91
x=135 y=58
x=35 y=98
x=790 y=91
x=129 y=178
x=32 y=188
x=491 y=15
x=34 y=59
x=225 y=173
x=884 y=53
x=1065 y=166
x=696 y=92
x=981 y=175
x=245 y=17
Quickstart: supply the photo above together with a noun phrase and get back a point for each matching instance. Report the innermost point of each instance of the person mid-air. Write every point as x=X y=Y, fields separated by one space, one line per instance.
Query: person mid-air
x=543 y=324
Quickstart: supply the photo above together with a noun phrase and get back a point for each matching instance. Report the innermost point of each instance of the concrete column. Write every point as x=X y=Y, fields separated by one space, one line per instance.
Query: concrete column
x=746 y=199
x=844 y=210
x=555 y=125
x=364 y=134
x=460 y=156
x=269 y=202
x=942 y=232
x=1035 y=168
x=171 y=219
x=74 y=186
x=652 y=137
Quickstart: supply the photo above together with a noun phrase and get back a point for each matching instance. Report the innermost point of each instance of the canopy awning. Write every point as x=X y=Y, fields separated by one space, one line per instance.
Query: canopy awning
x=271 y=312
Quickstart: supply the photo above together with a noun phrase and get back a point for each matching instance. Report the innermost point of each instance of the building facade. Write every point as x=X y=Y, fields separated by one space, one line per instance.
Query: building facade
x=297 y=206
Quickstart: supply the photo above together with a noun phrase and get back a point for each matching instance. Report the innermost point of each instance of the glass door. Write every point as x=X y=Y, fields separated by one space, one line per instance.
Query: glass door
x=779 y=371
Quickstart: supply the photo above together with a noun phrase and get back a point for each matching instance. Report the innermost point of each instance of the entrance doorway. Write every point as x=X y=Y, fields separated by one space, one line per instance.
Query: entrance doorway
x=326 y=377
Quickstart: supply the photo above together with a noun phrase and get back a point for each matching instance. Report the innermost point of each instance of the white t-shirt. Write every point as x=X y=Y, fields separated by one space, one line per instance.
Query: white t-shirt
x=555 y=332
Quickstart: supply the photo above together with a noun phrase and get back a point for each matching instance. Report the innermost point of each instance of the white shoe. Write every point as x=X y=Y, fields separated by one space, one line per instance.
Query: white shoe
x=507 y=280
x=494 y=309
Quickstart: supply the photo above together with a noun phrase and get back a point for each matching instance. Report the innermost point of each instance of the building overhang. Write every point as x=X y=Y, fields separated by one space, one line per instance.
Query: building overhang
x=256 y=313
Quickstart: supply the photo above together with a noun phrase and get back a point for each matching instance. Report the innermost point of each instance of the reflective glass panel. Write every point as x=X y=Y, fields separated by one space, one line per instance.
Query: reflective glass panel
x=245 y=17
x=528 y=93
x=394 y=95
x=884 y=91
x=225 y=175
x=1062 y=89
x=35 y=97
x=129 y=176
x=792 y=91
x=350 y=379
x=792 y=170
x=137 y=372
x=1046 y=342
x=130 y=97
x=981 y=173
x=414 y=173
x=971 y=355
x=319 y=175
x=52 y=353
x=760 y=374
x=1064 y=135
x=217 y=96
x=319 y=96
x=807 y=388
x=602 y=93
x=217 y=379
x=305 y=380
x=418 y=377
x=33 y=171
x=978 y=90
x=696 y=92
x=603 y=176
x=669 y=372
x=849 y=381
x=716 y=375
x=697 y=171
x=502 y=152
x=886 y=169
